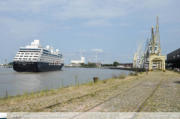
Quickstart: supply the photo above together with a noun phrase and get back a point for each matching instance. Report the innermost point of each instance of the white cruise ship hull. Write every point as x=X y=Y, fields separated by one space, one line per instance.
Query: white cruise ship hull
x=35 y=67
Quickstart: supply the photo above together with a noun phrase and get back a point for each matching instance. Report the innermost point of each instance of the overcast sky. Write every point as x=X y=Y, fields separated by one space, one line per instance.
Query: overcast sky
x=114 y=27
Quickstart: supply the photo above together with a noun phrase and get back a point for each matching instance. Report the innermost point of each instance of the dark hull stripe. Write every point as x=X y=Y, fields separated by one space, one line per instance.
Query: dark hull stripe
x=35 y=67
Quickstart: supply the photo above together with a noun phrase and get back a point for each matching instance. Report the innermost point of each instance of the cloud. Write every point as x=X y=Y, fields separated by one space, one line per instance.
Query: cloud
x=90 y=9
x=23 y=19
x=67 y=9
x=34 y=6
x=106 y=9
x=20 y=29
x=97 y=22
x=80 y=9
x=124 y=24
x=97 y=50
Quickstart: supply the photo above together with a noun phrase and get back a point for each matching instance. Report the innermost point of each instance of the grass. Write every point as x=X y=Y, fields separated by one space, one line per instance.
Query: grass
x=46 y=92
x=133 y=74
x=27 y=96
x=69 y=96
x=121 y=76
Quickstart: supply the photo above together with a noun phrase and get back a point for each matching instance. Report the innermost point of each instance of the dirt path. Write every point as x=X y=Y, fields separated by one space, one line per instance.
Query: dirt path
x=133 y=99
x=145 y=94
x=160 y=92
x=157 y=91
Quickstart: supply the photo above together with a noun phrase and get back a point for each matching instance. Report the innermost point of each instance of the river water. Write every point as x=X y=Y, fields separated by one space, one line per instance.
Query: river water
x=14 y=83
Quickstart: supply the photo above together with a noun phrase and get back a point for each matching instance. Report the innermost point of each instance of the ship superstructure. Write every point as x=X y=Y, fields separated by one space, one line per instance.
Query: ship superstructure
x=35 y=58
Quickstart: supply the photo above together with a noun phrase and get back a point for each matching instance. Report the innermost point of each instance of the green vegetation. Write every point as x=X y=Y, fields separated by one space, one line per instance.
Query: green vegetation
x=89 y=65
x=107 y=65
x=157 y=91
x=115 y=63
x=48 y=92
x=10 y=63
x=121 y=76
x=133 y=74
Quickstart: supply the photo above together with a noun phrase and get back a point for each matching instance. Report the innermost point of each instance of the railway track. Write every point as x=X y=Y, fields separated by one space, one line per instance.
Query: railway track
x=138 y=108
x=96 y=92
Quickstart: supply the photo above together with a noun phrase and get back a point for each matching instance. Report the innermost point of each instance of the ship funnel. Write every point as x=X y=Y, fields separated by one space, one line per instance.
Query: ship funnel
x=57 y=50
x=47 y=47
x=34 y=44
x=51 y=49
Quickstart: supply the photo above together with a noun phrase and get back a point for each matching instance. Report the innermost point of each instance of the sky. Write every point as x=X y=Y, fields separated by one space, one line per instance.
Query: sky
x=110 y=29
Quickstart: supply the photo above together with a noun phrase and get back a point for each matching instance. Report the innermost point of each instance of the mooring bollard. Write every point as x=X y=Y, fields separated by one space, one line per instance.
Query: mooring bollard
x=95 y=79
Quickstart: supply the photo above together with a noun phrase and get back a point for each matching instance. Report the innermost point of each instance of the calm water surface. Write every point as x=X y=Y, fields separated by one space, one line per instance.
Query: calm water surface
x=15 y=83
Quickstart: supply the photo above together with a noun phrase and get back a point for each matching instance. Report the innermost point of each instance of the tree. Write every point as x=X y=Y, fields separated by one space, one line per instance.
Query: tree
x=115 y=63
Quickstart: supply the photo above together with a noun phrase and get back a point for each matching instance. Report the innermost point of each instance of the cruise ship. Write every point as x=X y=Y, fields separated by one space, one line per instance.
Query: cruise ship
x=35 y=58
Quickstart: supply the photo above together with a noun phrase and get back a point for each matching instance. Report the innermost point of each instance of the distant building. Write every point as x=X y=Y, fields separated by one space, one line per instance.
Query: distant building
x=78 y=62
x=94 y=64
x=98 y=64
x=125 y=65
x=173 y=59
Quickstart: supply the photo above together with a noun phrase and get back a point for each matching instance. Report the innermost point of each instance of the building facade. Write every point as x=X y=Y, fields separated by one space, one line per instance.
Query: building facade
x=173 y=59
